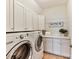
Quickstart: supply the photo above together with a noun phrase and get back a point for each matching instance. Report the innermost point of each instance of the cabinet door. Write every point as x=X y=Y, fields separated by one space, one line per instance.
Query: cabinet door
x=65 y=47
x=29 y=21
x=19 y=21
x=48 y=45
x=25 y=17
x=9 y=15
x=41 y=22
x=56 y=46
x=35 y=21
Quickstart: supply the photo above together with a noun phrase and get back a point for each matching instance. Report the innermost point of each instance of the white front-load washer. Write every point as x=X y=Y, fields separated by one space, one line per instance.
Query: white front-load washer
x=38 y=46
x=19 y=46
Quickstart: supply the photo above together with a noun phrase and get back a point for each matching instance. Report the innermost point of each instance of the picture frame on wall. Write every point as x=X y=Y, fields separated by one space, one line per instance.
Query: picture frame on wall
x=56 y=24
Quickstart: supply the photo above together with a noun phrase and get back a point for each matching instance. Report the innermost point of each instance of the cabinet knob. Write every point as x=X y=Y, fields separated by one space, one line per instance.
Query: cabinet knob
x=70 y=46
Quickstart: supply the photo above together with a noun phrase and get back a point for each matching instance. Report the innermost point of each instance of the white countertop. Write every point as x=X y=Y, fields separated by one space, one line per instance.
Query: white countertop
x=51 y=36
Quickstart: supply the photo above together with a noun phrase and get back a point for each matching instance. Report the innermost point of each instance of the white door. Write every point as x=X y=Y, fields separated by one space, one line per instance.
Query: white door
x=9 y=15
x=29 y=21
x=35 y=21
x=19 y=21
x=41 y=22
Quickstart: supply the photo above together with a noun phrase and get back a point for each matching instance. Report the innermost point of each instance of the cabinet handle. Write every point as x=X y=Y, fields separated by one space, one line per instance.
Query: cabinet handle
x=70 y=46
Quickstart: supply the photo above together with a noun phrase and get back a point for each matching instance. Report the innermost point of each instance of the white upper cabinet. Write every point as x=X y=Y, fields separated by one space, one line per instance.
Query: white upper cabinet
x=35 y=21
x=19 y=20
x=29 y=21
x=9 y=16
x=41 y=22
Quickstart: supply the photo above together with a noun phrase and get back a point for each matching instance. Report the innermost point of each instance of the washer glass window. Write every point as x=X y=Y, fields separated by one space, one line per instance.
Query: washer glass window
x=22 y=52
x=38 y=43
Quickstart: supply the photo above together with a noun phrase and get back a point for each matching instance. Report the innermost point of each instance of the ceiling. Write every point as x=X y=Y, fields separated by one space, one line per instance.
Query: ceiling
x=50 y=3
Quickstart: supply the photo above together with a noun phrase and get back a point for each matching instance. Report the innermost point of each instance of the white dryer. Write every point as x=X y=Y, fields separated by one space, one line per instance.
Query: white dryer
x=19 y=46
x=38 y=46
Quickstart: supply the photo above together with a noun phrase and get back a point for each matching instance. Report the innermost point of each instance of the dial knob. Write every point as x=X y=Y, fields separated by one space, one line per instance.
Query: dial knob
x=27 y=34
x=21 y=36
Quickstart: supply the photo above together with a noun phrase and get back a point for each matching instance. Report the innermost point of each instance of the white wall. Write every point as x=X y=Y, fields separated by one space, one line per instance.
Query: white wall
x=31 y=4
x=56 y=13
x=69 y=12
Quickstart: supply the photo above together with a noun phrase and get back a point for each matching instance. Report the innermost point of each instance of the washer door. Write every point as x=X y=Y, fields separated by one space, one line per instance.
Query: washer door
x=22 y=52
x=38 y=44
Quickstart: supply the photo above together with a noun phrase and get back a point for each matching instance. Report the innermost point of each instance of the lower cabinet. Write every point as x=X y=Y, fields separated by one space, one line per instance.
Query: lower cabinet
x=61 y=47
x=57 y=46
x=65 y=48
x=48 y=45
